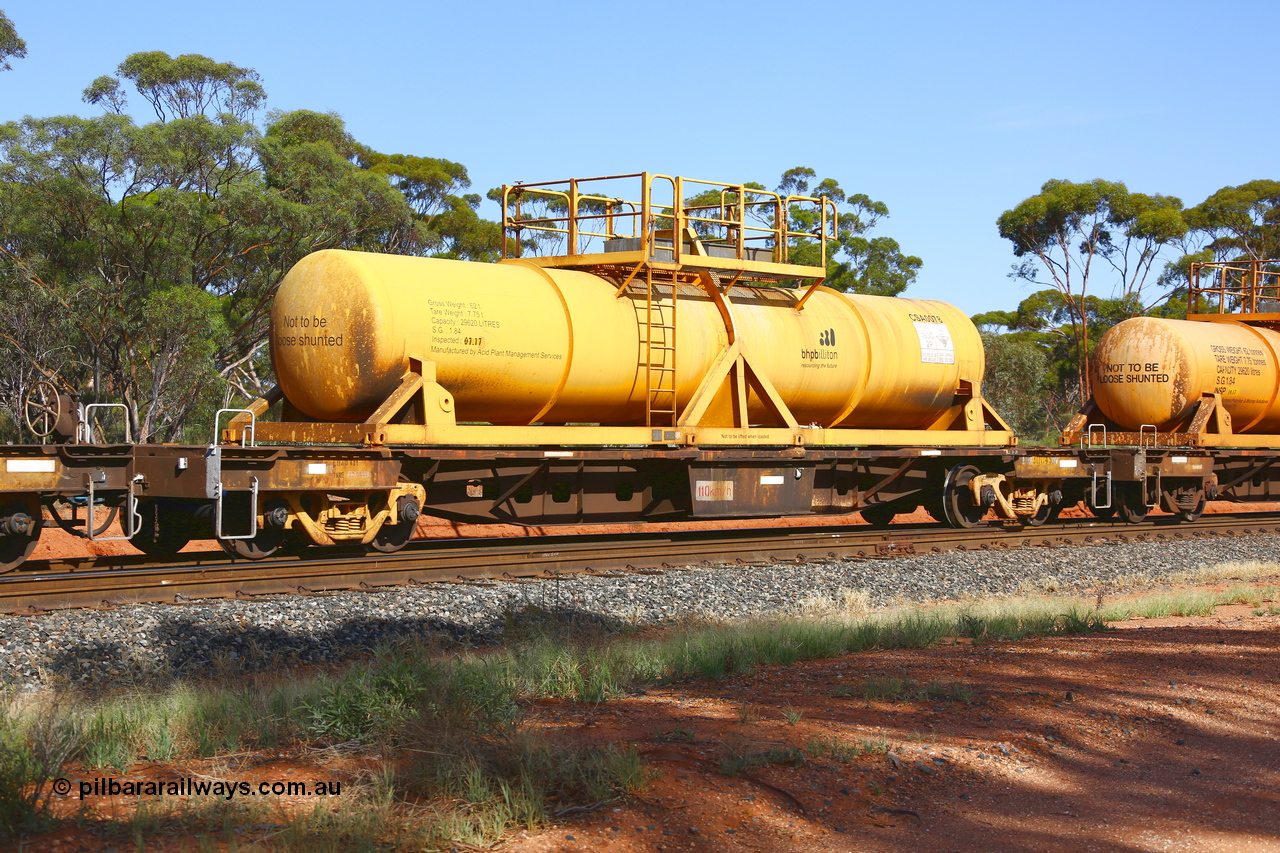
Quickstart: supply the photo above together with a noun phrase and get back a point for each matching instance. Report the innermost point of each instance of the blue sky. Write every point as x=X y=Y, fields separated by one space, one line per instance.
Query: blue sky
x=949 y=113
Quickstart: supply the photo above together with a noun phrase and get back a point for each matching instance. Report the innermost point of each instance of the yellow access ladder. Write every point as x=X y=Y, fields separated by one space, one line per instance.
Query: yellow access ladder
x=659 y=355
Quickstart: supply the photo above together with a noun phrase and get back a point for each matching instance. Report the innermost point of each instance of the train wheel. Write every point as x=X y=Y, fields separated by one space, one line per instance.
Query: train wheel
x=931 y=502
x=266 y=543
x=20 y=525
x=392 y=537
x=163 y=532
x=957 y=498
x=269 y=539
x=1048 y=512
x=1179 y=504
x=70 y=525
x=1193 y=513
x=1131 y=503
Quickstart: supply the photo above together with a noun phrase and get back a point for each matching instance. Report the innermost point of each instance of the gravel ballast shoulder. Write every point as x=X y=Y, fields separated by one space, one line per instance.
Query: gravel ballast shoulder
x=99 y=648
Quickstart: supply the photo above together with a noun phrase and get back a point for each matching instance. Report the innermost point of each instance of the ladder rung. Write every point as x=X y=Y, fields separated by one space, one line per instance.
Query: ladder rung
x=660 y=342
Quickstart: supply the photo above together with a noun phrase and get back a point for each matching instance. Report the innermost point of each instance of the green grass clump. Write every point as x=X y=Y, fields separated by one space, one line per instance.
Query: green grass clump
x=837 y=750
x=1157 y=606
x=1191 y=603
x=510 y=779
x=735 y=762
x=364 y=702
x=33 y=748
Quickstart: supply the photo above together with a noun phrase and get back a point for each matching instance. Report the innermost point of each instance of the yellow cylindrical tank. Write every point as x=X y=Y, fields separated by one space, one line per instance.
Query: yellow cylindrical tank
x=1151 y=371
x=518 y=344
x=917 y=352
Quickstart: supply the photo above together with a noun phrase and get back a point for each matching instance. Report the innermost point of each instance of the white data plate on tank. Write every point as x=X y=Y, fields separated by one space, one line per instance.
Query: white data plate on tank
x=936 y=346
x=713 y=490
x=29 y=466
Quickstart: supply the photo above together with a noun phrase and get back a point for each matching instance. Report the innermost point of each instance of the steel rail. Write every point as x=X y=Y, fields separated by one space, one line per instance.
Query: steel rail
x=97 y=582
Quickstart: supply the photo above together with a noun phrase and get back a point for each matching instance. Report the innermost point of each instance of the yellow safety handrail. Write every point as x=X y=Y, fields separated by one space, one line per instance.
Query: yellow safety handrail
x=582 y=211
x=1235 y=287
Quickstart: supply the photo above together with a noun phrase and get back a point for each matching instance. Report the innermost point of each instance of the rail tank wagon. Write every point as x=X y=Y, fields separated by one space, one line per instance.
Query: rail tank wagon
x=632 y=358
x=516 y=344
x=1154 y=372
x=663 y=357
x=1187 y=411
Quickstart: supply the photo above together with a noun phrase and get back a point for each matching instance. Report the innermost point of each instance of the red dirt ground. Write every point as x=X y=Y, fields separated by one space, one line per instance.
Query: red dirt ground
x=1158 y=736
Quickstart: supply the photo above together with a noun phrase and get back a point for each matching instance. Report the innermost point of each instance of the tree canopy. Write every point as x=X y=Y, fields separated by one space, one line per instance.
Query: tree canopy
x=1240 y=223
x=1070 y=234
x=153 y=250
x=1099 y=254
x=856 y=262
x=11 y=46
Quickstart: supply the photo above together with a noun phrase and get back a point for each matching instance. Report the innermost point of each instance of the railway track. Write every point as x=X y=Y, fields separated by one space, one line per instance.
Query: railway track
x=84 y=583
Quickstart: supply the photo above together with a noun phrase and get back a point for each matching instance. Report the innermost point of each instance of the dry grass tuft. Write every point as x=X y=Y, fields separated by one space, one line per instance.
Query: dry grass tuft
x=845 y=602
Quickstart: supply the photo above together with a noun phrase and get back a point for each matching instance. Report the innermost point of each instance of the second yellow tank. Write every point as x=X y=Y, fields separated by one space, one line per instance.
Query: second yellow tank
x=1151 y=371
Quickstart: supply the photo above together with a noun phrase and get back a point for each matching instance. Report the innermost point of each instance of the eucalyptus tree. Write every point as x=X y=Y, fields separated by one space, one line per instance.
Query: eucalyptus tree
x=1070 y=235
x=155 y=248
x=1240 y=222
x=447 y=216
x=11 y=46
x=856 y=261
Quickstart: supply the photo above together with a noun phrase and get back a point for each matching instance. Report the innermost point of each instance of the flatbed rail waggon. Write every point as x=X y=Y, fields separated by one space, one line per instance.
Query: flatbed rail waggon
x=654 y=348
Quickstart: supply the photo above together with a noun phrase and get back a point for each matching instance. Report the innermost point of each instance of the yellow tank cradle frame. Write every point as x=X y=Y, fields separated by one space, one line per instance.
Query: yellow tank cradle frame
x=650 y=245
